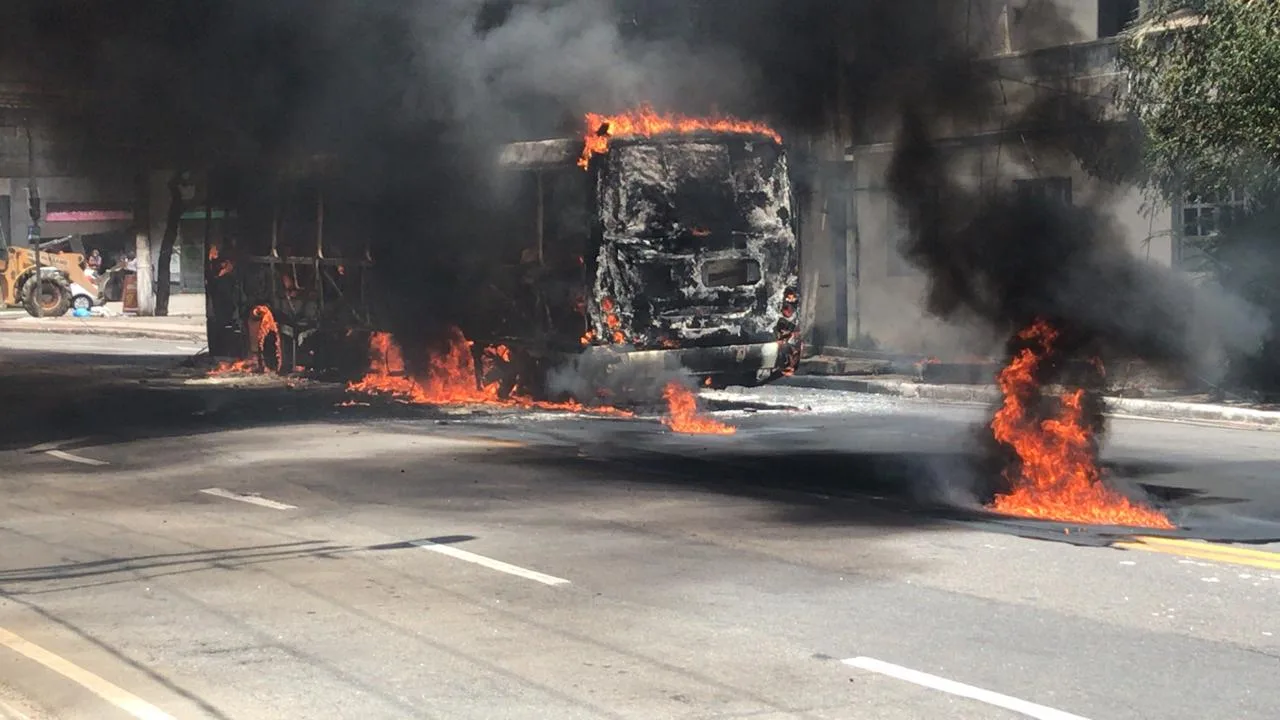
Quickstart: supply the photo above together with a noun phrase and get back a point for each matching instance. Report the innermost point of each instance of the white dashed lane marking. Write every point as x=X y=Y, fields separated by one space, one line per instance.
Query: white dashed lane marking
x=251 y=499
x=490 y=563
x=75 y=458
x=959 y=689
x=51 y=449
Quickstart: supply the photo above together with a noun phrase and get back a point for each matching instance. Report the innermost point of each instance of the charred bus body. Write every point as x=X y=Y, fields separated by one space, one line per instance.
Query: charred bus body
x=682 y=248
x=289 y=279
x=669 y=254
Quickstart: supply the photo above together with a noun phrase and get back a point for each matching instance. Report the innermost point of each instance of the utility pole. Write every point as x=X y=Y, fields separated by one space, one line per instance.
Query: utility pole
x=33 y=210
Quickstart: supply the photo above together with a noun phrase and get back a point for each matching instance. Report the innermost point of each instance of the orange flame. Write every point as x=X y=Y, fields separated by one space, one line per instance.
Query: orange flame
x=261 y=324
x=266 y=324
x=613 y=321
x=1057 y=477
x=646 y=122
x=682 y=414
x=449 y=379
x=223 y=266
x=235 y=367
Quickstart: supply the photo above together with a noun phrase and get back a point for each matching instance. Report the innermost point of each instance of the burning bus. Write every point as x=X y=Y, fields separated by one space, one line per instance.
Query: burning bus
x=673 y=242
x=656 y=244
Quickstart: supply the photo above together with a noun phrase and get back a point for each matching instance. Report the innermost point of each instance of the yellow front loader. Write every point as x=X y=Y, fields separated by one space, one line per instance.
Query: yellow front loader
x=61 y=282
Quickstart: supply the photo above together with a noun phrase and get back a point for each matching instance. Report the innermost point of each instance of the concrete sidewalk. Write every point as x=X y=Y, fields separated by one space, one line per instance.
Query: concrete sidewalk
x=185 y=322
x=987 y=394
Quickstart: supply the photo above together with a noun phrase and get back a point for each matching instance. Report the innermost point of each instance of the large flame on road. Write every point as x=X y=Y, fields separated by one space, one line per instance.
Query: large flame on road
x=1057 y=475
x=450 y=378
x=644 y=121
x=682 y=413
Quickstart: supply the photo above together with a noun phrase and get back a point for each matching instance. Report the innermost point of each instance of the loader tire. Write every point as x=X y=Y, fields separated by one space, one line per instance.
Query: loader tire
x=46 y=296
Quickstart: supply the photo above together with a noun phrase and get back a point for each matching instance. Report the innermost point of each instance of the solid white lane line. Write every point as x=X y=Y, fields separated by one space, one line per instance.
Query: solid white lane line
x=952 y=687
x=104 y=689
x=75 y=458
x=490 y=563
x=251 y=499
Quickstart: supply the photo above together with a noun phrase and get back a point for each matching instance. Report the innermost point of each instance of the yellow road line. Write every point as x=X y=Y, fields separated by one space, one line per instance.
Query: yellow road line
x=1201 y=545
x=104 y=689
x=1204 y=551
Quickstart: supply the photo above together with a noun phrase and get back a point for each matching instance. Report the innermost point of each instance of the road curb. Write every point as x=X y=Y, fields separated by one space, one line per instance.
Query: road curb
x=1128 y=407
x=1170 y=410
x=193 y=335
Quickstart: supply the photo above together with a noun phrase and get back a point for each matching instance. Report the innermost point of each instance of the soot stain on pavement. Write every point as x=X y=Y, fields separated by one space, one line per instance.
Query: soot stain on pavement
x=885 y=490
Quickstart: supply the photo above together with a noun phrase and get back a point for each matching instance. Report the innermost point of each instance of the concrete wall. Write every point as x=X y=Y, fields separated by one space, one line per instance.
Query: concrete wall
x=999 y=26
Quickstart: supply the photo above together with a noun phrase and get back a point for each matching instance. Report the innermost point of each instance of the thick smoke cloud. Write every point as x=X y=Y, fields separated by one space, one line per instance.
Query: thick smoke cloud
x=410 y=98
x=413 y=96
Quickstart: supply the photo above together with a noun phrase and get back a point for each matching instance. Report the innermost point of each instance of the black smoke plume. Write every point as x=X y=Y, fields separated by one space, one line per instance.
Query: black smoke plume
x=412 y=97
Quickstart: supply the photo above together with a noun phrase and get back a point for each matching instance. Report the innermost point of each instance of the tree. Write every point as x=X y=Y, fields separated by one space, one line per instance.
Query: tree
x=172 y=220
x=1205 y=84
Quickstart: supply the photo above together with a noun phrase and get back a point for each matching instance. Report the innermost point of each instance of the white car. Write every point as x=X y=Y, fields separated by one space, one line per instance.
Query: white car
x=82 y=298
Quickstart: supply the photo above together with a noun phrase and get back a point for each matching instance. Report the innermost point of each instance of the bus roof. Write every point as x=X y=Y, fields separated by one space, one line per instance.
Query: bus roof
x=544 y=154
x=541 y=154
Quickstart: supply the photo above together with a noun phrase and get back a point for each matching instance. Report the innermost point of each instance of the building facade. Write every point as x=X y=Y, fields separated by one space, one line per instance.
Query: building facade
x=98 y=204
x=867 y=295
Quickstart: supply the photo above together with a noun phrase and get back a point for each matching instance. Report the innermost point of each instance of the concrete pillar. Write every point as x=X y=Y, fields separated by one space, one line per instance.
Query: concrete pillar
x=142 y=244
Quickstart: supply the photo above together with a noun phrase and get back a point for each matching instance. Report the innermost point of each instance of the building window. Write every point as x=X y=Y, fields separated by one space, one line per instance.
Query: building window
x=1115 y=15
x=1053 y=189
x=1203 y=217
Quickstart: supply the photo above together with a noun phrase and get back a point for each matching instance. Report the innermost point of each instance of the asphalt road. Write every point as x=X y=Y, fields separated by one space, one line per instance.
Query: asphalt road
x=365 y=562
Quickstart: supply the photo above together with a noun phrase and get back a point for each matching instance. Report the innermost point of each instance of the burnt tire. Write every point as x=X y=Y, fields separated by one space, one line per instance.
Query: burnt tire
x=48 y=295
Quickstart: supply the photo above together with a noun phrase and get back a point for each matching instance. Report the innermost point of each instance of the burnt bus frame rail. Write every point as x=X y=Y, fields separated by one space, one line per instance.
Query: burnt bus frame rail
x=308 y=295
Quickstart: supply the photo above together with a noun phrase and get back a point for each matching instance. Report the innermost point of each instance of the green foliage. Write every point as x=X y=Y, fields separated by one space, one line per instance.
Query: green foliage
x=1205 y=84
